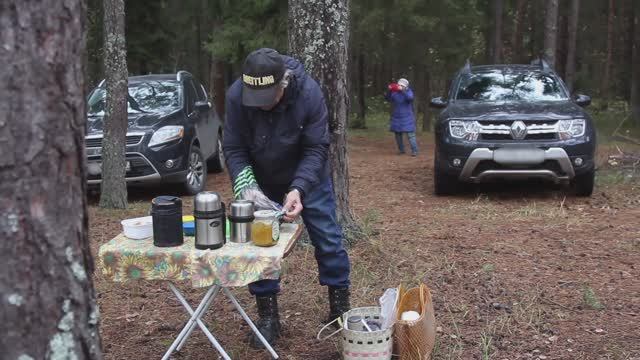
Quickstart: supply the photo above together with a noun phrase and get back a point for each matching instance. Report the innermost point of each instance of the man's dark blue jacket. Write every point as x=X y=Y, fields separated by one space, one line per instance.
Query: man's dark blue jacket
x=287 y=146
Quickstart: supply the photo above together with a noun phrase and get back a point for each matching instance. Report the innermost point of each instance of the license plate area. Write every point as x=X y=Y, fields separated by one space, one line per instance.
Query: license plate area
x=95 y=167
x=513 y=156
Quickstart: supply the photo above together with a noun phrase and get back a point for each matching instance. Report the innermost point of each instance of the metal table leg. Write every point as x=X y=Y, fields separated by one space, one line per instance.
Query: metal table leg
x=195 y=318
x=193 y=325
x=249 y=322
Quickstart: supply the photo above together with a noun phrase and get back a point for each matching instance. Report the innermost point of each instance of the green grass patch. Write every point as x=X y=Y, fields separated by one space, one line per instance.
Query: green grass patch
x=591 y=299
x=610 y=177
x=488 y=268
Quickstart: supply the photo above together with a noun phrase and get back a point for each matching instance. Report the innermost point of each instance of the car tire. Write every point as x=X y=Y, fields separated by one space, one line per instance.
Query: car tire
x=443 y=184
x=216 y=163
x=196 y=178
x=583 y=184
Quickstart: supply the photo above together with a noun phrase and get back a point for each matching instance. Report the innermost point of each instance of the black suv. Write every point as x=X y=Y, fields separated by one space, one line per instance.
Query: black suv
x=174 y=134
x=509 y=122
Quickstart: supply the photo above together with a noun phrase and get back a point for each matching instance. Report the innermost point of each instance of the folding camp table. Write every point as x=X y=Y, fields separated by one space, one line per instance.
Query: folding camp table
x=122 y=259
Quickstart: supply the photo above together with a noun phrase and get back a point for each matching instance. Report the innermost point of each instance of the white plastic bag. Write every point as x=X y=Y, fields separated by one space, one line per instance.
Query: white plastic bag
x=389 y=305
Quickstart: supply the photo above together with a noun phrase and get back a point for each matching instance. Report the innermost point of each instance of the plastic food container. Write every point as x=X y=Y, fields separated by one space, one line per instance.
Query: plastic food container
x=189 y=228
x=188 y=218
x=265 y=230
x=138 y=228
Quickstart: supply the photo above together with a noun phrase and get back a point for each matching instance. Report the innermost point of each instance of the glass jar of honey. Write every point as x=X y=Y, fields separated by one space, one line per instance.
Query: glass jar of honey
x=265 y=230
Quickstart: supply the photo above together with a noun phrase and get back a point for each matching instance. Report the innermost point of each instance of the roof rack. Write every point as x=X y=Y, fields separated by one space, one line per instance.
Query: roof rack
x=544 y=65
x=182 y=74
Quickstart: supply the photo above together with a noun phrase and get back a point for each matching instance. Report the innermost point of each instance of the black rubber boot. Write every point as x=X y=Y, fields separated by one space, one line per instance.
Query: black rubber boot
x=338 y=303
x=268 y=322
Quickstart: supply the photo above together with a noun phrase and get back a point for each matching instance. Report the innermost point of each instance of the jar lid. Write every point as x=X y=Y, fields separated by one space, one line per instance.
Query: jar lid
x=166 y=200
x=241 y=208
x=265 y=215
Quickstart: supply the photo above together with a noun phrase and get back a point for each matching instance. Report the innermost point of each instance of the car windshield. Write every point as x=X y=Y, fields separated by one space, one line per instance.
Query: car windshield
x=146 y=96
x=504 y=86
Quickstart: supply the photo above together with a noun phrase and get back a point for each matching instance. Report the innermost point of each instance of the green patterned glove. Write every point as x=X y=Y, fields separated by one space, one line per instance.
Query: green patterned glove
x=243 y=180
x=245 y=187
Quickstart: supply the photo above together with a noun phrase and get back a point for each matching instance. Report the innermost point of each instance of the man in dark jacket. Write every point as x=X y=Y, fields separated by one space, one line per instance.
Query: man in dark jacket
x=276 y=132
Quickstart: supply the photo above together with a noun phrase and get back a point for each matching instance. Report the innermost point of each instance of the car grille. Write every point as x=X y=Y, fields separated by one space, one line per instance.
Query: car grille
x=140 y=166
x=96 y=142
x=501 y=130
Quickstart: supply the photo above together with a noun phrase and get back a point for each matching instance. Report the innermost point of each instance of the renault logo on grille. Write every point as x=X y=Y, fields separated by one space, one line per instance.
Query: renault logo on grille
x=518 y=130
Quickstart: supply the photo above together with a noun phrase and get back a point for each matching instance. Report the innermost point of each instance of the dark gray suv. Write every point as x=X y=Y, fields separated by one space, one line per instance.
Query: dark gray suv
x=513 y=122
x=174 y=133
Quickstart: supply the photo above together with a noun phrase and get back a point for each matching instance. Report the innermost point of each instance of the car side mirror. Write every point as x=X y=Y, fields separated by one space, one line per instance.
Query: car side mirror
x=583 y=100
x=438 y=103
x=203 y=105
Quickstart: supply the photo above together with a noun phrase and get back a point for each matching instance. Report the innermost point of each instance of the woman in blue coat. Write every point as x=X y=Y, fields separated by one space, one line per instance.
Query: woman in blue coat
x=403 y=120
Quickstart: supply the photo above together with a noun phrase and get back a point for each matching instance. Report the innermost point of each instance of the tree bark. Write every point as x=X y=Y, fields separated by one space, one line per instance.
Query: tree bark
x=551 y=32
x=114 y=187
x=498 y=11
x=635 y=71
x=516 y=39
x=536 y=34
x=360 y=85
x=562 y=39
x=606 y=76
x=218 y=86
x=574 y=15
x=319 y=37
x=218 y=72
x=47 y=298
x=426 y=114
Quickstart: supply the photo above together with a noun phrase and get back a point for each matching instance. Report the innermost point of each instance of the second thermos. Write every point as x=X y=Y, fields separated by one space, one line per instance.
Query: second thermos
x=240 y=219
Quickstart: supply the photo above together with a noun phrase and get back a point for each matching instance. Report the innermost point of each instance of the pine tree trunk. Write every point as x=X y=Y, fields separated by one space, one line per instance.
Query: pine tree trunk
x=551 y=32
x=574 y=15
x=606 y=76
x=426 y=114
x=562 y=39
x=635 y=71
x=48 y=300
x=319 y=37
x=114 y=188
x=498 y=10
x=218 y=86
x=357 y=82
x=361 y=84
x=536 y=34
x=217 y=83
x=518 y=26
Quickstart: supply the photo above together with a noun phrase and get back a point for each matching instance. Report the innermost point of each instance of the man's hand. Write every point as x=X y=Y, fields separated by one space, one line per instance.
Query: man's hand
x=292 y=205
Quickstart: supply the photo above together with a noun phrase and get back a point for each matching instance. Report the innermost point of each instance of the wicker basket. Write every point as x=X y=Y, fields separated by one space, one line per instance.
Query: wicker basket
x=358 y=345
x=415 y=339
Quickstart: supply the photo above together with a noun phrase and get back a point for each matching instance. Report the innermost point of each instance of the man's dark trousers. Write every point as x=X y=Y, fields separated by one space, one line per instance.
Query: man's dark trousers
x=319 y=216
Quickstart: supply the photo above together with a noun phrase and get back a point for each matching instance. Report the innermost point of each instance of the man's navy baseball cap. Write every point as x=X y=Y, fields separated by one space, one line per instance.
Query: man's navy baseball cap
x=262 y=72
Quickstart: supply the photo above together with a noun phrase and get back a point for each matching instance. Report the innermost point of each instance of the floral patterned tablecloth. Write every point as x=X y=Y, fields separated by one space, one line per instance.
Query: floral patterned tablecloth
x=123 y=259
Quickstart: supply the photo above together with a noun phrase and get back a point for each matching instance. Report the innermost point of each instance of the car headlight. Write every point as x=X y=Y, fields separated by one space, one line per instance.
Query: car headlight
x=166 y=134
x=468 y=130
x=571 y=128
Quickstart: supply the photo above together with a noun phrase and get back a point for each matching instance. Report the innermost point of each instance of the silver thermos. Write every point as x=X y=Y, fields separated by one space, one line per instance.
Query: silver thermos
x=210 y=219
x=240 y=219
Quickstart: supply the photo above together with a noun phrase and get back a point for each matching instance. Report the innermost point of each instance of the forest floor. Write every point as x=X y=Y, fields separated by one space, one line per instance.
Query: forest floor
x=516 y=272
